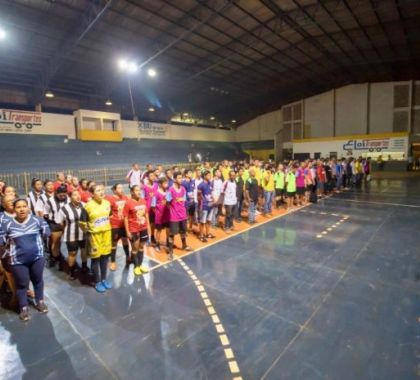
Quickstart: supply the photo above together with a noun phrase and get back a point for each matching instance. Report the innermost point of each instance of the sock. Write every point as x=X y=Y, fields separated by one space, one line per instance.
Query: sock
x=184 y=241
x=135 y=259
x=126 y=249
x=140 y=256
x=95 y=269
x=104 y=266
x=171 y=245
x=113 y=254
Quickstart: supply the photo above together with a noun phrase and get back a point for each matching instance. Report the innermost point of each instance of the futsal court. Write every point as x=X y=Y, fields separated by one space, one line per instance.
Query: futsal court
x=326 y=291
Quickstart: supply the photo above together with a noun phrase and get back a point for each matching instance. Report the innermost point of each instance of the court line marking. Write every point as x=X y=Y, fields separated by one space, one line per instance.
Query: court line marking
x=220 y=330
x=177 y=258
x=95 y=354
x=324 y=298
x=376 y=203
x=343 y=219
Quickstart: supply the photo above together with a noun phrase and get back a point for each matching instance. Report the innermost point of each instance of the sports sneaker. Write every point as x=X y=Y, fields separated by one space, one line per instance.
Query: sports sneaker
x=144 y=269
x=171 y=256
x=187 y=248
x=41 y=307
x=100 y=288
x=137 y=271
x=107 y=284
x=24 y=314
x=113 y=266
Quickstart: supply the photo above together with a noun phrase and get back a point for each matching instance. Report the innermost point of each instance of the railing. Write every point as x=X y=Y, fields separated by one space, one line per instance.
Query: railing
x=107 y=176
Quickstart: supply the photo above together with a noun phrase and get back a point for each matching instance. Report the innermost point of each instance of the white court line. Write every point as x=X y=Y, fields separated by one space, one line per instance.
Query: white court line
x=375 y=203
x=220 y=330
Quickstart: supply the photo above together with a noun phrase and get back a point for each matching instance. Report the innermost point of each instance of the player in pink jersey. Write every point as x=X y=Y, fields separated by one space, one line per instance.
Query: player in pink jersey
x=176 y=198
x=161 y=211
x=150 y=186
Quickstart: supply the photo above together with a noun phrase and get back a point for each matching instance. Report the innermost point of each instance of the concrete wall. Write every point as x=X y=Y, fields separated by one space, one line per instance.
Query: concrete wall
x=263 y=127
x=318 y=114
x=381 y=107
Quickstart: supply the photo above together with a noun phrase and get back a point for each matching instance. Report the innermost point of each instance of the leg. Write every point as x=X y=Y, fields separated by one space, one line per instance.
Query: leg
x=103 y=262
x=36 y=272
x=71 y=261
x=183 y=233
x=21 y=277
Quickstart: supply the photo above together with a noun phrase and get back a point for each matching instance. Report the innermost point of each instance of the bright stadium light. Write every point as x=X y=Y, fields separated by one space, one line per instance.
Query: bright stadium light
x=132 y=67
x=123 y=64
x=49 y=94
x=185 y=114
x=212 y=118
x=233 y=121
x=108 y=102
x=151 y=109
x=151 y=73
x=3 y=34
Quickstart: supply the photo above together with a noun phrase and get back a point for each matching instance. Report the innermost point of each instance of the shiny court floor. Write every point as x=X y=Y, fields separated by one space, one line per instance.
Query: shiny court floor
x=327 y=292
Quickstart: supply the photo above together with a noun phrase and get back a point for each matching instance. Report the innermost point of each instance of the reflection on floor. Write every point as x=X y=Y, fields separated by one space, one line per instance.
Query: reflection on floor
x=291 y=305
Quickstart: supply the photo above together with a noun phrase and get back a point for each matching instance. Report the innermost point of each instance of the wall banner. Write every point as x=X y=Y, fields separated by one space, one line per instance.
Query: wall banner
x=377 y=145
x=14 y=121
x=152 y=129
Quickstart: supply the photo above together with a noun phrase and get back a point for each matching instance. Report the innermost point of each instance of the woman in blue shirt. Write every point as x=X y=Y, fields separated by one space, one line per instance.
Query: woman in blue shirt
x=22 y=237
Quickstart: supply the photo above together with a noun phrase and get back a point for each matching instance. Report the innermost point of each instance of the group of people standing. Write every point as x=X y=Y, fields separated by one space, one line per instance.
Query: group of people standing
x=160 y=205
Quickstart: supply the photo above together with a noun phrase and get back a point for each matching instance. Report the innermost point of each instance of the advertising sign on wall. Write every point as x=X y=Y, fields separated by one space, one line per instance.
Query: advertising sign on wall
x=14 y=121
x=377 y=145
x=152 y=130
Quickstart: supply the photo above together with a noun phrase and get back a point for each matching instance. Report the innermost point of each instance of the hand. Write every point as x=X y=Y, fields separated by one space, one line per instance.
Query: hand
x=129 y=235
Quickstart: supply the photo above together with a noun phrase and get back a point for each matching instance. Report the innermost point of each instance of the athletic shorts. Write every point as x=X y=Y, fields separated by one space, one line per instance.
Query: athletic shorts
x=178 y=227
x=279 y=192
x=55 y=227
x=291 y=194
x=300 y=191
x=151 y=217
x=118 y=233
x=162 y=226
x=205 y=216
x=100 y=243
x=191 y=210
x=73 y=246
x=143 y=236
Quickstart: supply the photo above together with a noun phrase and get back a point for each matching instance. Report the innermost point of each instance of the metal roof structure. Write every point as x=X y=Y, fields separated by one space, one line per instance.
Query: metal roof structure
x=231 y=59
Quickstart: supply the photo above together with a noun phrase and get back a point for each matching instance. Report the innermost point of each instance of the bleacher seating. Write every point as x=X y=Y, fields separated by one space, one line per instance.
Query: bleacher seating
x=40 y=152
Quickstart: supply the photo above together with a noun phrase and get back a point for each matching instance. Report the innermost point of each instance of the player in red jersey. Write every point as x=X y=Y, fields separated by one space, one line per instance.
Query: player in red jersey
x=137 y=227
x=118 y=200
x=85 y=194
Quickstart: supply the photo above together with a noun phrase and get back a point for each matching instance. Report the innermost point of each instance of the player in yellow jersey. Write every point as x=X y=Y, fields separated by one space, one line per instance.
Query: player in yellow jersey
x=95 y=221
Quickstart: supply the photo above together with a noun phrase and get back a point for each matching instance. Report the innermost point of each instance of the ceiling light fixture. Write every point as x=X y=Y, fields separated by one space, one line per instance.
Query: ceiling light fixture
x=49 y=94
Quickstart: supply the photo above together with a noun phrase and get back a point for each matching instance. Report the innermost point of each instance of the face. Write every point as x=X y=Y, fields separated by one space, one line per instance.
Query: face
x=75 y=182
x=60 y=177
x=197 y=174
x=49 y=187
x=152 y=178
x=9 y=190
x=207 y=177
x=218 y=173
x=61 y=196
x=8 y=203
x=69 y=178
x=83 y=184
x=178 y=179
x=232 y=175
x=119 y=190
x=2 y=184
x=189 y=174
x=38 y=186
x=241 y=172
x=252 y=173
x=135 y=192
x=75 y=197
x=99 y=192
x=165 y=185
x=136 y=167
x=21 y=209
x=169 y=173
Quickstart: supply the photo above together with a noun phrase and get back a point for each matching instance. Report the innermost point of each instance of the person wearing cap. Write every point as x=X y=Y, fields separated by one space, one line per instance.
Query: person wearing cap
x=51 y=211
x=22 y=239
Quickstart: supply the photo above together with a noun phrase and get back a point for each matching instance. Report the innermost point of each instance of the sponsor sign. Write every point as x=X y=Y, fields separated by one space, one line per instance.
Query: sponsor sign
x=392 y=144
x=14 y=121
x=152 y=129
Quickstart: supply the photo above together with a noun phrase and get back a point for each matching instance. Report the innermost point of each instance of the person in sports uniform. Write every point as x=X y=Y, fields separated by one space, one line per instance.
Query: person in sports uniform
x=34 y=194
x=51 y=210
x=60 y=180
x=291 y=186
x=117 y=201
x=176 y=197
x=22 y=236
x=205 y=206
x=9 y=190
x=149 y=188
x=137 y=228
x=95 y=222
x=279 y=185
x=134 y=176
x=189 y=184
x=161 y=211
x=69 y=217
x=85 y=194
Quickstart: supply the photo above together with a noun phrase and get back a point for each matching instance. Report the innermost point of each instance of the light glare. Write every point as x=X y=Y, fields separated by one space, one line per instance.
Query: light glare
x=151 y=73
x=108 y=103
x=3 y=34
x=49 y=94
x=151 y=109
x=122 y=64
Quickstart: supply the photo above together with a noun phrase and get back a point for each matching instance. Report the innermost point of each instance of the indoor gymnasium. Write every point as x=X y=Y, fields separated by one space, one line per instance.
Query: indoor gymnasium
x=210 y=189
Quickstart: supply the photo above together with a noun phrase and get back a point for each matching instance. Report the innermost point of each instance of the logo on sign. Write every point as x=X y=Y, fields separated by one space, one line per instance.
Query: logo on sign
x=15 y=121
x=150 y=129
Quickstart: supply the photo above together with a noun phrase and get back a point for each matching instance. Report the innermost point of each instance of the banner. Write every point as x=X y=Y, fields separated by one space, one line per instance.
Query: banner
x=152 y=129
x=377 y=145
x=14 y=121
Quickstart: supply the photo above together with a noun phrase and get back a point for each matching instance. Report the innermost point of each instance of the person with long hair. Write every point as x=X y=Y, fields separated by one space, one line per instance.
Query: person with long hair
x=161 y=211
x=117 y=201
x=34 y=194
x=22 y=237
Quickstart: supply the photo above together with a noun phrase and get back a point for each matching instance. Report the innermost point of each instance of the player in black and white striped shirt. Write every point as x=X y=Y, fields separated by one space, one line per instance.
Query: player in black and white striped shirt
x=69 y=217
x=34 y=194
x=43 y=198
x=51 y=210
